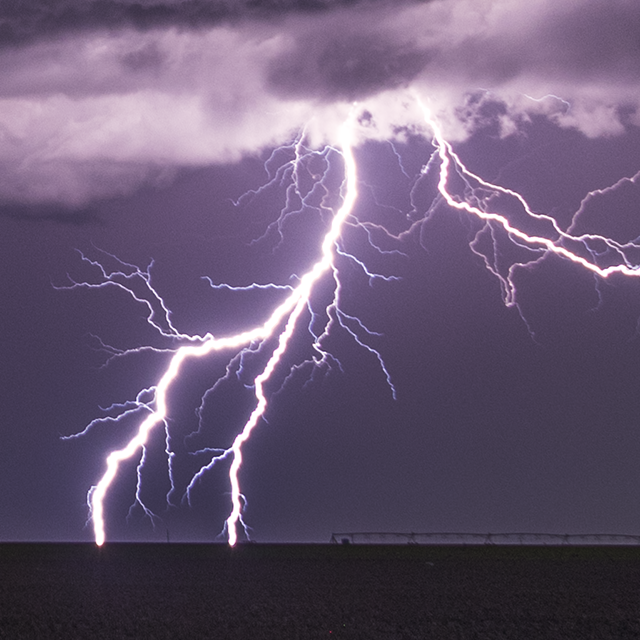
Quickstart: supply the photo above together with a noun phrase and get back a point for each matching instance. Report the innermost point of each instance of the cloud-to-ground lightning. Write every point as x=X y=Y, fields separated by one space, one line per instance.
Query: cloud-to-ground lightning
x=456 y=187
x=287 y=311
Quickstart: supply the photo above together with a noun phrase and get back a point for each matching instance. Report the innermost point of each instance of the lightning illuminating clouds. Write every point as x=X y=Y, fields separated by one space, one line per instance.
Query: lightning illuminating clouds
x=101 y=98
x=97 y=98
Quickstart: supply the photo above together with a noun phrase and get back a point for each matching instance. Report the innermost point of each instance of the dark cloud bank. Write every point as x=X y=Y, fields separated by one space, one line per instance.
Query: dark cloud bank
x=99 y=97
x=24 y=21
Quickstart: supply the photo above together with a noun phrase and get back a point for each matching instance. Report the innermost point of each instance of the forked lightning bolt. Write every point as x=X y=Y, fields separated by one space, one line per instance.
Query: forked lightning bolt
x=477 y=197
x=584 y=249
x=288 y=311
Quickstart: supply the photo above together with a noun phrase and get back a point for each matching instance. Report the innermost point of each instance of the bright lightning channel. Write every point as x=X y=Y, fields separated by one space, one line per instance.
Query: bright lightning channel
x=477 y=197
x=556 y=244
x=291 y=309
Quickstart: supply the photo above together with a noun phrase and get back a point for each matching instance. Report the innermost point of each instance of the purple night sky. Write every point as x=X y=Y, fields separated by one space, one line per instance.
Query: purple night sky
x=141 y=130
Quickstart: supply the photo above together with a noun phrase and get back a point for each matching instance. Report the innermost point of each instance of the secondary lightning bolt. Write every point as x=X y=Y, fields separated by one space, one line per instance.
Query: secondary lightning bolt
x=585 y=250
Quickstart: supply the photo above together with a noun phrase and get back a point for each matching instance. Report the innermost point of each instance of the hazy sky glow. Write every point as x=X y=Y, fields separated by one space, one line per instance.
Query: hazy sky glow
x=135 y=129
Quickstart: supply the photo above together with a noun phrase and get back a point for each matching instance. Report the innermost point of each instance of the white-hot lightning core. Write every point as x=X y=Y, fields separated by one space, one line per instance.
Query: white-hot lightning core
x=291 y=309
x=475 y=198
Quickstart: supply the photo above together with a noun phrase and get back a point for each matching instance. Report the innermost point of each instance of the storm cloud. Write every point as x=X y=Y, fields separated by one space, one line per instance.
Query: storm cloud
x=345 y=68
x=97 y=98
x=22 y=22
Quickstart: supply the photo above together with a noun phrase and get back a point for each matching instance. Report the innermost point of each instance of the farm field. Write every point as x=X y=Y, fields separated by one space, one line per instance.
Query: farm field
x=318 y=591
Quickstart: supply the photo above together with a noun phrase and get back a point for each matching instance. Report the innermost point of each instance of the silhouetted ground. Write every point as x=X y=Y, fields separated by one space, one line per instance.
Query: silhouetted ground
x=318 y=591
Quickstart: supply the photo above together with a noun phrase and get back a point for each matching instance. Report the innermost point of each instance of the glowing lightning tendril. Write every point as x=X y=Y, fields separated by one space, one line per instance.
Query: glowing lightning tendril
x=477 y=197
x=292 y=307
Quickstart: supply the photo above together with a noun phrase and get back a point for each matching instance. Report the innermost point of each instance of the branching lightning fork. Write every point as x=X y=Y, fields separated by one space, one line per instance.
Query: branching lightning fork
x=287 y=312
x=476 y=197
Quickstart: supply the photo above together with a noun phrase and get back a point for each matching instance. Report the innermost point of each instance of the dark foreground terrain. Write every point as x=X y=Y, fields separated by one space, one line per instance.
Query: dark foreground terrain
x=318 y=591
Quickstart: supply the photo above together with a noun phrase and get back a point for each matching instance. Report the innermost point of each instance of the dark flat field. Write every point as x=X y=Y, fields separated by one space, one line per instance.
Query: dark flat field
x=256 y=591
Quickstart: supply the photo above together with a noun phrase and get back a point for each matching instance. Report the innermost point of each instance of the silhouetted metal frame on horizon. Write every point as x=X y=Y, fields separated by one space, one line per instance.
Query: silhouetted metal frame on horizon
x=375 y=537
